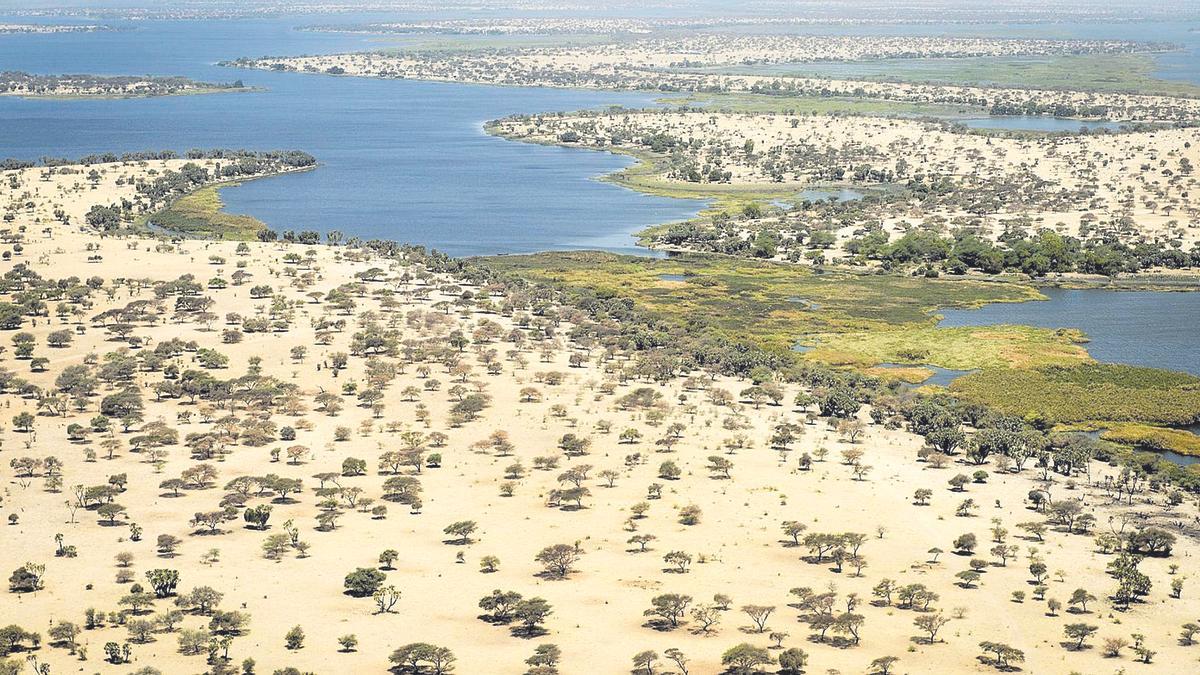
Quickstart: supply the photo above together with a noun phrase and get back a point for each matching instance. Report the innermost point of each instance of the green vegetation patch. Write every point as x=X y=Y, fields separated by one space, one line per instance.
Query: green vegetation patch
x=908 y=375
x=863 y=320
x=958 y=348
x=1087 y=392
x=1082 y=72
x=199 y=215
x=771 y=304
x=1147 y=437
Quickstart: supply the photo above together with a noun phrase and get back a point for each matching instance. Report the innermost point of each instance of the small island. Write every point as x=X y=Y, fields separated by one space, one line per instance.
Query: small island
x=46 y=29
x=17 y=83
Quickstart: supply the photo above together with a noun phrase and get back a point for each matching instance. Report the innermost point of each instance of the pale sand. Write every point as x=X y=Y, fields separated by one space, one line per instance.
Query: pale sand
x=1130 y=186
x=597 y=618
x=689 y=64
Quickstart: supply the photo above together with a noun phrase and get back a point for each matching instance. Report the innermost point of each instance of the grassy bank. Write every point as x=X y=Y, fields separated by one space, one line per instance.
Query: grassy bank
x=646 y=176
x=860 y=321
x=199 y=215
x=771 y=304
x=1146 y=437
x=1088 y=392
x=959 y=348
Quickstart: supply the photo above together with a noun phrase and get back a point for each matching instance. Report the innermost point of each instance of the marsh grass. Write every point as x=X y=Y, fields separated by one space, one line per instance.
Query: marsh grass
x=752 y=300
x=199 y=215
x=1087 y=392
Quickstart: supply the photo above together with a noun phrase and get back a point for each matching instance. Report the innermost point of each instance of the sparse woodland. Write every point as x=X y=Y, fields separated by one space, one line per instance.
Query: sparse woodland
x=300 y=457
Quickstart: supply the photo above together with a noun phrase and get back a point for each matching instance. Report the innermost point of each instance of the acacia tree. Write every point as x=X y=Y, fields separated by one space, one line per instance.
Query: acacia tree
x=386 y=598
x=531 y=613
x=558 y=560
x=669 y=607
x=364 y=581
x=413 y=658
x=931 y=624
x=461 y=530
x=1079 y=632
x=1004 y=654
x=745 y=658
x=163 y=581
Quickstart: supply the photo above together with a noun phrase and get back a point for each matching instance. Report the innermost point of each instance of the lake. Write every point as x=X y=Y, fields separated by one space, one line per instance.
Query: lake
x=1144 y=328
x=401 y=160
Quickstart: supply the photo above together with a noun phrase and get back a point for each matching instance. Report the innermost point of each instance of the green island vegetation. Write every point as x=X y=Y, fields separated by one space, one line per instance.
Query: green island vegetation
x=742 y=218
x=743 y=102
x=17 y=83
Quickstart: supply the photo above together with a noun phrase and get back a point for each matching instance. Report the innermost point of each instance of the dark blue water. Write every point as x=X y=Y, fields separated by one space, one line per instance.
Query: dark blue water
x=1143 y=328
x=399 y=160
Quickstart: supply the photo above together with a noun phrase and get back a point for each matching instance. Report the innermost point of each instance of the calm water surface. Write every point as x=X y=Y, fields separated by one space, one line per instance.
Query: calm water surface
x=400 y=160
x=1145 y=328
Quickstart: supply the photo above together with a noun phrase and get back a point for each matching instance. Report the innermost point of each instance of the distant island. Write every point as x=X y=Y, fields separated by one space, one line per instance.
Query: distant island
x=17 y=83
x=9 y=28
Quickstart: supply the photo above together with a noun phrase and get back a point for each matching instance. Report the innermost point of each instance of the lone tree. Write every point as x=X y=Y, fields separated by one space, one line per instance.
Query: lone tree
x=1079 y=632
x=931 y=624
x=294 y=639
x=163 y=581
x=759 y=615
x=531 y=613
x=643 y=662
x=1004 y=655
x=792 y=661
x=364 y=581
x=414 y=657
x=558 y=560
x=462 y=531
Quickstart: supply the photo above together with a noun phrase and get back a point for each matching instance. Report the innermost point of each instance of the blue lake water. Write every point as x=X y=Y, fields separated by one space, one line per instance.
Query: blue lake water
x=400 y=160
x=1036 y=123
x=1144 y=328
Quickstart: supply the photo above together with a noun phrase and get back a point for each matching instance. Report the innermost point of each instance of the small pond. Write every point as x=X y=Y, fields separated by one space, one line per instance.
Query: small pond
x=838 y=194
x=1036 y=123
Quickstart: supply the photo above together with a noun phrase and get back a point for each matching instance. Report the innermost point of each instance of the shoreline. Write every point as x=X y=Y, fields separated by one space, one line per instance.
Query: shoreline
x=648 y=164
x=120 y=97
x=212 y=215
